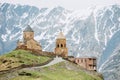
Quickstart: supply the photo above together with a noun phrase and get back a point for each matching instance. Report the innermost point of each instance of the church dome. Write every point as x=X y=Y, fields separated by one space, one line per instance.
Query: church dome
x=61 y=36
x=28 y=29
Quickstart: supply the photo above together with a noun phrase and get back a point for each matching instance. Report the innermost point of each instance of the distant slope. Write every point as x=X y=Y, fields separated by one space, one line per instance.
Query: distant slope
x=111 y=68
x=110 y=48
x=20 y=57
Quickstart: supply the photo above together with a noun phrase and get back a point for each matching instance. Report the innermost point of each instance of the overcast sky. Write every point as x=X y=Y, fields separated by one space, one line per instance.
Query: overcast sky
x=68 y=4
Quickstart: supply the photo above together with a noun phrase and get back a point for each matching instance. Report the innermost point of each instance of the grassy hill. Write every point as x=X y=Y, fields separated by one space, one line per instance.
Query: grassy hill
x=60 y=71
x=20 y=57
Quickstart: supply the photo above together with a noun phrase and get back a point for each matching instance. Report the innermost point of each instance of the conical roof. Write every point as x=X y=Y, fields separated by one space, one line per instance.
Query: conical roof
x=61 y=36
x=28 y=29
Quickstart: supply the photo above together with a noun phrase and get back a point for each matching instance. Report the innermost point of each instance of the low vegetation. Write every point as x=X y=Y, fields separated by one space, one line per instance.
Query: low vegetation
x=59 y=71
x=20 y=57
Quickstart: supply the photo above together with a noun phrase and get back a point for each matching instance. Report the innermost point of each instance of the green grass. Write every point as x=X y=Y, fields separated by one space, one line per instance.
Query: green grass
x=58 y=72
x=19 y=57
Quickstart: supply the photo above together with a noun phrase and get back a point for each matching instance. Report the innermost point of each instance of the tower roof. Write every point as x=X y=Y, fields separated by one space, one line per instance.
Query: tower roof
x=28 y=29
x=61 y=36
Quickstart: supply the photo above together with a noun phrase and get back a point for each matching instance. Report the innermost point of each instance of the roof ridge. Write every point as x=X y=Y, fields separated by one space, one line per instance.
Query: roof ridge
x=28 y=29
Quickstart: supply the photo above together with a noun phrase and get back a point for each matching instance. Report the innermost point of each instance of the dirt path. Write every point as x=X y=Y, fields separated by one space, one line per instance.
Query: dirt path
x=54 y=61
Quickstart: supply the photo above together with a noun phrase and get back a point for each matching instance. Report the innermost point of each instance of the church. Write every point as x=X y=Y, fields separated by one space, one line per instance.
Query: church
x=28 y=41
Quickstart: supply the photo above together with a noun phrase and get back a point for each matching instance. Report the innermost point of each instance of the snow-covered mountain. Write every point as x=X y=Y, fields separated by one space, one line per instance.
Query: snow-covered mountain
x=93 y=34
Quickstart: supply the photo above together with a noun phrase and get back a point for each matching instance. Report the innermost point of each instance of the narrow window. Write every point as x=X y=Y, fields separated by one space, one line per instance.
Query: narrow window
x=61 y=45
x=90 y=66
x=58 y=45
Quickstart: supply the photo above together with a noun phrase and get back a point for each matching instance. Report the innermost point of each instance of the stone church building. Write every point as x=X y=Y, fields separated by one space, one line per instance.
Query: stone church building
x=28 y=41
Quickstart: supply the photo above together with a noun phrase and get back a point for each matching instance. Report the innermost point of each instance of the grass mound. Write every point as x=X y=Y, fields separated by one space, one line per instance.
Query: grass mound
x=19 y=57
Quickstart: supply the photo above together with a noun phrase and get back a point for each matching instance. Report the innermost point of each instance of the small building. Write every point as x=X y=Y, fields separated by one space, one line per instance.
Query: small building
x=28 y=41
x=87 y=63
x=61 y=49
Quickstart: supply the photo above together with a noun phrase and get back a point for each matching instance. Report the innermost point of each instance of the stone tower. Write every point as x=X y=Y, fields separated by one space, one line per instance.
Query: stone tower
x=61 y=48
x=28 y=33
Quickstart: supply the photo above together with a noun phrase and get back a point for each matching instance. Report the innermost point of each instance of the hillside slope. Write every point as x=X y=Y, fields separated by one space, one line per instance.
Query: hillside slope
x=112 y=66
x=52 y=70
x=60 y=71
x=18 y=58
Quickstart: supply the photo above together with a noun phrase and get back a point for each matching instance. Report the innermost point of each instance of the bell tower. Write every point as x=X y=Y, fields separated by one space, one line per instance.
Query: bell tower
x=61 y=48
x=28 y=33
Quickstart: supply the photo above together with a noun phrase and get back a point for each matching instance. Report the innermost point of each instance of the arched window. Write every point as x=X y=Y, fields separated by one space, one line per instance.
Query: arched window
x=61 y=45
x=58 y=45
